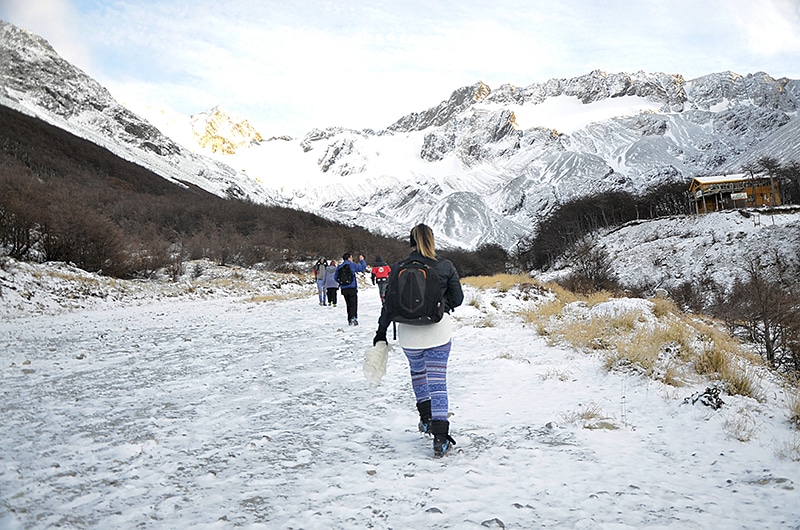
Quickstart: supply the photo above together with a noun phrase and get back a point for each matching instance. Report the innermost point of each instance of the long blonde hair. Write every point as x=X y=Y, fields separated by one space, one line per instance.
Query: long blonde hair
x=422 y=238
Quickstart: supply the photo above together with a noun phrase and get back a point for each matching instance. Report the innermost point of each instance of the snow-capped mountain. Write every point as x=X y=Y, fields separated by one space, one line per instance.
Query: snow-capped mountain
x=483 y=166
x=35 y=80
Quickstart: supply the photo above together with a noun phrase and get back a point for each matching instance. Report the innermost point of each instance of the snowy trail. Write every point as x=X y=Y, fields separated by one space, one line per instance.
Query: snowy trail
x=224 y=413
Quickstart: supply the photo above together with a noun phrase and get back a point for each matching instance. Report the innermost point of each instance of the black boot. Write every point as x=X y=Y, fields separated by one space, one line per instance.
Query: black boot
x=424 y=408
x=441 y=439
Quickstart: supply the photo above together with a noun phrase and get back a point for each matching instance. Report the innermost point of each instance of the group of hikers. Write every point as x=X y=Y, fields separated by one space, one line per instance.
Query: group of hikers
x=417 y=294
x=331 y=278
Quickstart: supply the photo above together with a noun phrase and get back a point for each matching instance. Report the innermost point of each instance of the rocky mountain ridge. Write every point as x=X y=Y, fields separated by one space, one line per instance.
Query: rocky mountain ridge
x=506 y=164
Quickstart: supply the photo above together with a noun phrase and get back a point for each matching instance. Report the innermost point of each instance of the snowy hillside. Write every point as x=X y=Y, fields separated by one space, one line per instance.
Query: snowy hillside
x=227 y=402
x=667 y=252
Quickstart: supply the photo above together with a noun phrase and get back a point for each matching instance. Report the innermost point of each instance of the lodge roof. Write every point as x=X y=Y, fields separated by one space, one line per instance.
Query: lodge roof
x=718 y=179
x=732 y=179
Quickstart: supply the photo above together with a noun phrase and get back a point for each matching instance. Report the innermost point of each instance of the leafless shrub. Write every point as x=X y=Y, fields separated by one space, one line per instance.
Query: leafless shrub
x=766 y=304
x=789 y=450
x=591 y=269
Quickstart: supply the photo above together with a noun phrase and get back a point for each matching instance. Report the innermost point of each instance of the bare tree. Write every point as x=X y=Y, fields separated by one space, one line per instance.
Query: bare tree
x=591 y=268
x=765 y=303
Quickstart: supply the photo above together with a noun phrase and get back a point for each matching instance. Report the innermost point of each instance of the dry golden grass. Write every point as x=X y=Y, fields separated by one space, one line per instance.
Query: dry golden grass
x=544 y=312
x=485 y=322
x=715 y=345
x=675 y=335
x=597 y=297
x=510 y=357
x=658 y=352
x=639 y=351
x=590 y=416
x=672 y=376
x=664 y=351
x=673 y=350
x=558 y=374
x=624 y=322
x=272 y=297
x=739 y=425
x=72 y=277
x=474 y=301
x=224 y=283
x=663 y=307
x=565 y=296
x=501 y=282
x=711 y=360
x=740 y=382
x=541 y=329
x=717 y=355
x=590 y=334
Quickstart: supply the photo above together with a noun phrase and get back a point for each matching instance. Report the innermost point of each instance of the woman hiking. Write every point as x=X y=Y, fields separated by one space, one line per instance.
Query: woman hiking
x=427 y=345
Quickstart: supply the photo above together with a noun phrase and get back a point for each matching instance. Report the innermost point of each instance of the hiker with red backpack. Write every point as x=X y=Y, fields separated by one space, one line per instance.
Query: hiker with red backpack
x=421 y=292
x=380 y=275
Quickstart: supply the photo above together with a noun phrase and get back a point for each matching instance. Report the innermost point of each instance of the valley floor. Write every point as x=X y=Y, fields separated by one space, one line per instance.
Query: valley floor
x=224 y=412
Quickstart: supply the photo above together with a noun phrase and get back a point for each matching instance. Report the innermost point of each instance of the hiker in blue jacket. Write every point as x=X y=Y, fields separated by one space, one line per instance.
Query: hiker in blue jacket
x=350 y=289
x=427 y=346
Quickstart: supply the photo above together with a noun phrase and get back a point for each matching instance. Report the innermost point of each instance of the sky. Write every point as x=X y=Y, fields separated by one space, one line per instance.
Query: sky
x=289 y=67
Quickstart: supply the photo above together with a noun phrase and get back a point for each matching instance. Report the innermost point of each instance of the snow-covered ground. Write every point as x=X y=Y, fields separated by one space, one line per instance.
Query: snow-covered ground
x=153 y=405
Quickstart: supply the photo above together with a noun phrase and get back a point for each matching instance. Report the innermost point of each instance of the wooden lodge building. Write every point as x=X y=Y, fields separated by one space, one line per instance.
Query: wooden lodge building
x=742 y=190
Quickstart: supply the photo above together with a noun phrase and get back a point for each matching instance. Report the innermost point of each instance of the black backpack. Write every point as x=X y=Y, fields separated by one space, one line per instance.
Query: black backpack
x=345 y=275
x=414 y=295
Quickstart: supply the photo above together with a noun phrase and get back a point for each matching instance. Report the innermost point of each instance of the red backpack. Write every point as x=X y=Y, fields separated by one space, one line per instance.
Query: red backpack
x=381 y=273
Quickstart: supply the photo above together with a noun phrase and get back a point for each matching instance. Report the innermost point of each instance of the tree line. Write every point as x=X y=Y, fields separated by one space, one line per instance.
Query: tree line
x=572 y=221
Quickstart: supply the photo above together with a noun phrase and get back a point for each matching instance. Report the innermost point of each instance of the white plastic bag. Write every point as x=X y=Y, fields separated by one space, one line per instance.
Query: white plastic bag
x=375 y=362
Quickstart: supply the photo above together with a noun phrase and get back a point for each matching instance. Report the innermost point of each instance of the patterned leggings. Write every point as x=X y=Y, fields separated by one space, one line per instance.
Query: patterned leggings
x=429 y=377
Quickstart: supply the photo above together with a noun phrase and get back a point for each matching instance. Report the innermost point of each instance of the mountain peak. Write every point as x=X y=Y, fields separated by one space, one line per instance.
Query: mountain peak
x=481 y=91
x=222 y=132
x=459 y=100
